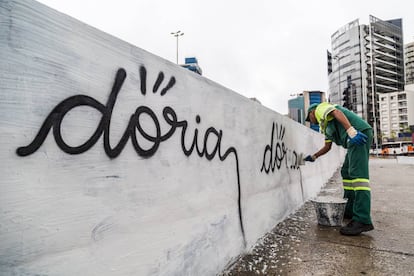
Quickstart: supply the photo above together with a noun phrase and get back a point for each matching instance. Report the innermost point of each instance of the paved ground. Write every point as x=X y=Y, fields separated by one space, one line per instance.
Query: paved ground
x=299 y=246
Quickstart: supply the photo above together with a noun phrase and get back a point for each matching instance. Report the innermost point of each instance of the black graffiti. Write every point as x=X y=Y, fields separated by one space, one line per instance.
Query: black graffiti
x=160 y=78
x=56 y=116
x=275 y=154
x=292 y=160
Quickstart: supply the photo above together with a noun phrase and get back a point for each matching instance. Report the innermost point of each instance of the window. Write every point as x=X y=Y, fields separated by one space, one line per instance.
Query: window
x=402 y=97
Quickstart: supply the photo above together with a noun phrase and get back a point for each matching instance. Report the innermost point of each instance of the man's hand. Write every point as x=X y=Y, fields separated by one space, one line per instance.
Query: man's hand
x=356 y=137
x=310 y=158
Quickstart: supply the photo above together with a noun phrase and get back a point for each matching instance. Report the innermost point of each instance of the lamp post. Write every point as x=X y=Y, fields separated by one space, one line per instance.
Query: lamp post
x=177 y=34
x=373 y=94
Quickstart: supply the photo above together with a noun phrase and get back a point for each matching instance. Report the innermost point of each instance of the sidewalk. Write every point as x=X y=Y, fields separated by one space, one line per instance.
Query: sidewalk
x=299 y=246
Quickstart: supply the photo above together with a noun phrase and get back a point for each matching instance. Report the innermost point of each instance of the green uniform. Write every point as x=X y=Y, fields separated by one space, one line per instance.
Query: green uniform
x=355 y=171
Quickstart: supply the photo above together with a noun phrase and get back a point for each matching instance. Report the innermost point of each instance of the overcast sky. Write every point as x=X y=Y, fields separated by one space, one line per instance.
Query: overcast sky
x=263 y=48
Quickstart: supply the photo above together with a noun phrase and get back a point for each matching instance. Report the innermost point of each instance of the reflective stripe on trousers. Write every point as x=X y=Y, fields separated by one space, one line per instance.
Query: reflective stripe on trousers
x=357 y=184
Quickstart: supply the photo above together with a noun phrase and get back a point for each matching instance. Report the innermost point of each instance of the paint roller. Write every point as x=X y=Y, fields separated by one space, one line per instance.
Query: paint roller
x=301 y=159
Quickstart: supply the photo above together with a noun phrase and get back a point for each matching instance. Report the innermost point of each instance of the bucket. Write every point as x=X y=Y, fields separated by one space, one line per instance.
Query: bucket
x=329 y=210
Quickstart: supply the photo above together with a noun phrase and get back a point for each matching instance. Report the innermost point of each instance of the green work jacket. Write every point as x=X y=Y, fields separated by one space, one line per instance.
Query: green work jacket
x=332 y=129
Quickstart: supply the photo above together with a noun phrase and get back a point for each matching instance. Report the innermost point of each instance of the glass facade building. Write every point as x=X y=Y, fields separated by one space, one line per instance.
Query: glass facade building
x=298 y=106
x=366 y=60
x=296 y=109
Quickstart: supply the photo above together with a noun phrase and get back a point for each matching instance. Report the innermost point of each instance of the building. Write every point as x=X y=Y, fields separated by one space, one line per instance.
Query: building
x=410 y=103
x=397 y=108
x=191 y=63
x=366 y=60
x=299 y=105
x=296 y=109
x=396 y=114
x=409 y=63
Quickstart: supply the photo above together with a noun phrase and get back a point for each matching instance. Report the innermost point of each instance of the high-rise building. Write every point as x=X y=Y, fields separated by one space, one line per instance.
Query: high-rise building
x=299 y=105
x=366 y=60
x=409 y=63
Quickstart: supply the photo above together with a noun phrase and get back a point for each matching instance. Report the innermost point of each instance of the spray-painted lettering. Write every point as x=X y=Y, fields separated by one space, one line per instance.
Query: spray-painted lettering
x=276 y=152
x=56 y=116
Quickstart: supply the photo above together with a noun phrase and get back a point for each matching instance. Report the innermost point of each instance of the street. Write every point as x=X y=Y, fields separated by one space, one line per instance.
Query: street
x=299 y=246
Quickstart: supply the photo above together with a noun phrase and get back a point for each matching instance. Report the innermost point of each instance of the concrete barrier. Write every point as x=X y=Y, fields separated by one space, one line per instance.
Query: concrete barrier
x=118 y=162
x=408 y=160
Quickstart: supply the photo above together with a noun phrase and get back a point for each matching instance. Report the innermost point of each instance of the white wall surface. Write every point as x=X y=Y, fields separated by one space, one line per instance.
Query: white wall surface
x=72 y=203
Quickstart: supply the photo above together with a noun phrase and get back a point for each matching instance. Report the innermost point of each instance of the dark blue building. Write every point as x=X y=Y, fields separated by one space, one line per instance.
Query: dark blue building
x=298 y=106
x=191 y=63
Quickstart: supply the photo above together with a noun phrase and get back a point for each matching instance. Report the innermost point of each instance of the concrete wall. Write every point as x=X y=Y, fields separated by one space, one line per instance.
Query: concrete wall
x=405 y=160
x=117 y=162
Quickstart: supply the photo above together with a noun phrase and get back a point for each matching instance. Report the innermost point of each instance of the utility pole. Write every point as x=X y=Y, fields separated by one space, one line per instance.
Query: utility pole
x=177 y=34
x=373 y=95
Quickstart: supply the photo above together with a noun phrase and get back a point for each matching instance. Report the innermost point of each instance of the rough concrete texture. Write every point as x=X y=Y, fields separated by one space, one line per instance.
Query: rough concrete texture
x=299 y=246
x=117 y=162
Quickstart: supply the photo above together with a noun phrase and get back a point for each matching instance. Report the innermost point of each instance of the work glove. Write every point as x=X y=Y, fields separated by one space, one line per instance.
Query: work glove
x=356 y=137
x=310 y=158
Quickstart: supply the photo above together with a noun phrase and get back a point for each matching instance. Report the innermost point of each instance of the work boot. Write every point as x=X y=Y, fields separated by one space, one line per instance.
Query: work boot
x=355 y=228
x=347 y=216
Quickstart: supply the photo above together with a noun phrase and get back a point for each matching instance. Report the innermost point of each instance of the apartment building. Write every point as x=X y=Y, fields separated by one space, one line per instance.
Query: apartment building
x=396 y=113
x=409 y=63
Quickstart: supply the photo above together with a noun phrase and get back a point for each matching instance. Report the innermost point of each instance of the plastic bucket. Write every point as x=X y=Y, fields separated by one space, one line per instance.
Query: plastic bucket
x=329 y=210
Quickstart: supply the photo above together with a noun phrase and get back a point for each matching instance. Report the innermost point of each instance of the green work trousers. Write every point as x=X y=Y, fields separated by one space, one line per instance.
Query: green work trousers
x=355 y=177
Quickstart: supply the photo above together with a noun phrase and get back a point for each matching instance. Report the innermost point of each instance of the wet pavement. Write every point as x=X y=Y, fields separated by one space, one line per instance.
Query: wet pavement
x=299 y=246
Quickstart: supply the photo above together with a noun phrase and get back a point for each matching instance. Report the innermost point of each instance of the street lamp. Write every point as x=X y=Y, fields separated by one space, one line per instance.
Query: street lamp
x=373 y=94
x=177 y=34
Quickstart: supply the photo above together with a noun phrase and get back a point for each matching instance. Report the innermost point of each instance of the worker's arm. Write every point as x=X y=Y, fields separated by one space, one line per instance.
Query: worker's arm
x=356 y=137
x=327 y=147
x=341 y=118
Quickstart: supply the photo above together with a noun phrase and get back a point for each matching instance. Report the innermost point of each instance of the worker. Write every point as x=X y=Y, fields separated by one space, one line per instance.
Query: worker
x=347 y=129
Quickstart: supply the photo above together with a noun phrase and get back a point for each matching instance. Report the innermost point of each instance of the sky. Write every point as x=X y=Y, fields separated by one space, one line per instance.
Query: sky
x=270 y=50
